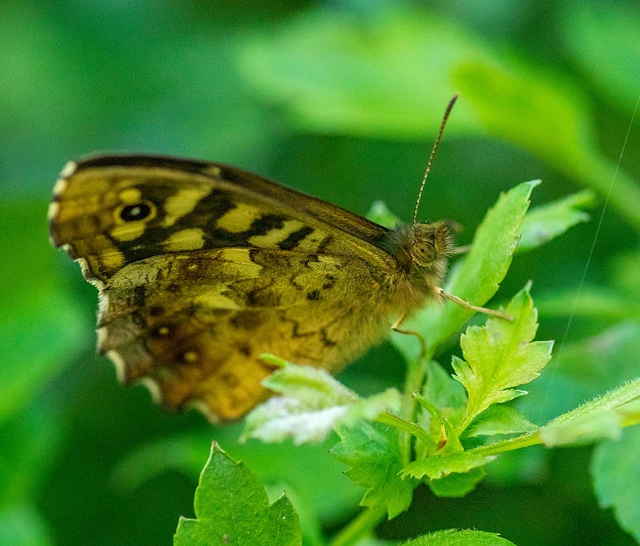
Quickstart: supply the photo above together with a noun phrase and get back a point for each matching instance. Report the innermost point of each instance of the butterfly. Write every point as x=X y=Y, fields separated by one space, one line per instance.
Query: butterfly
x=202 y=267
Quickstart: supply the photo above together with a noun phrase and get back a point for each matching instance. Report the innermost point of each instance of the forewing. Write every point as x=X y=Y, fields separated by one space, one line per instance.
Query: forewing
x=193 y=205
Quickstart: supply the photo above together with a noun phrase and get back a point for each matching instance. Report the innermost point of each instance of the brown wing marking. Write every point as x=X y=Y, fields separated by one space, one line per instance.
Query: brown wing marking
x=200 y=344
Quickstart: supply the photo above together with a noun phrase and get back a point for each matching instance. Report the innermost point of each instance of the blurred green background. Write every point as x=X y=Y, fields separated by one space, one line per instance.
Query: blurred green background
x=341 y=99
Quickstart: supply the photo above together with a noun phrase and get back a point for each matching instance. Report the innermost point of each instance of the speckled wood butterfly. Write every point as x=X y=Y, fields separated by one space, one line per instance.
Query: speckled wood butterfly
x=201 y=267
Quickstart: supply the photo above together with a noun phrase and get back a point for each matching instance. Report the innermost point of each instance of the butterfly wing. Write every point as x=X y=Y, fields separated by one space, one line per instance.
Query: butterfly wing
x=202 y=267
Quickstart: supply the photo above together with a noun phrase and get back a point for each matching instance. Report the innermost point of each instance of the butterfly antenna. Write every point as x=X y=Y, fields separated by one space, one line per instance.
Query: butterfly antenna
x=433 y=152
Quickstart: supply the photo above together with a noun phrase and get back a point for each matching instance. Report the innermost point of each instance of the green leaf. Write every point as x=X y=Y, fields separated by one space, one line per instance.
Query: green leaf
x=442 y=390
x=600 y=303
x=50 y=332
x=616 y=479
x=311 y=386
x=626 y=275
x=543 y=223
x=457 y=484
x=403 y=63
x=372 y=452
x=499 y=420
x=453 y=537
x=584 y=370
x=478 y=277
x=380 y=214
x=30 y=444
x=24 y=525
x=313 y=403
x=600 y=418
x=232 y=508
x=435 y=468
x=42 y=327
x=443 y=401
x=611 y=63
x=500 y=356
x=323 y=494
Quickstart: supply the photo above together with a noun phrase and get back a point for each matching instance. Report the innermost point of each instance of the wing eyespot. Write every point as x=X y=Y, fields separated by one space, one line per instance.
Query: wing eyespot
x=137 y=211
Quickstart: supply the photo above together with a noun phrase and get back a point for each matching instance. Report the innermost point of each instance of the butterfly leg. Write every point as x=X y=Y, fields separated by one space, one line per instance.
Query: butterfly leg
x=395 y=328
x=467 y=305
x=461 y=249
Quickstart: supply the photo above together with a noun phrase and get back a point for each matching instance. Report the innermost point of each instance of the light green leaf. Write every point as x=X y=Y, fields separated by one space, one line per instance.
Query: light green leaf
x=500 y=356
x=626 y=275
x=30 y=444
x=598 y=303
x=311 y=386
x=435 y=468
x=499 y=420
x=616 y=479
x=232 y=507
x=478 y=277
x=457 y=484
x=372 y=452
x=453 y=537
x=382 y=76
x=312 y=405
x=36 y=345
x=380 y=214
x=611 y=63
x=24 y=525
x=602 y=417
x=43 y=327
x=543 y=223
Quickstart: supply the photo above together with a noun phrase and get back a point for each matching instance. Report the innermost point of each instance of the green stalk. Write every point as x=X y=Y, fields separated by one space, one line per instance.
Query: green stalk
x=407 y=426
x=360 y=527
x=511 y=444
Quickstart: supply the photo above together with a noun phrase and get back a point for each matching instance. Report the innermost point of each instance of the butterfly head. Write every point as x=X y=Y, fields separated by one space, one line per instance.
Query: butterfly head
x=422 y=250
x=429 y=244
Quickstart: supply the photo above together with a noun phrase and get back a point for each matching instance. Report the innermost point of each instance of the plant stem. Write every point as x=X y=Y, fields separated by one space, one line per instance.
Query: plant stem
x=525 y=440
x=413 y=383
x=359 y=527
x=407 y=426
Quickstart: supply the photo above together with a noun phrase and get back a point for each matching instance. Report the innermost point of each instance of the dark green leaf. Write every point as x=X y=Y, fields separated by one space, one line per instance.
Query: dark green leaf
x=232 y=507
x=616 y=478
x=435 y=468
x=372 y=452
x=457 y=484
x=447 y=394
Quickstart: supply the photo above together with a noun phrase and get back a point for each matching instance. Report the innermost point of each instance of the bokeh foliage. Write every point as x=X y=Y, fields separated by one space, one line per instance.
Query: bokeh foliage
x=342 y=99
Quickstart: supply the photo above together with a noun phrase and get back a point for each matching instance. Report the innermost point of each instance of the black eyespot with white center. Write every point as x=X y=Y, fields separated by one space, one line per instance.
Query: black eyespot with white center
x=135 y=213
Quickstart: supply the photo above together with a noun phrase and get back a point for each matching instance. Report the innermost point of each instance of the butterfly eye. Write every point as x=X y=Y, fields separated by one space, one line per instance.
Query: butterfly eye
x=424 y=252
x=134 y=213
